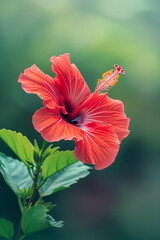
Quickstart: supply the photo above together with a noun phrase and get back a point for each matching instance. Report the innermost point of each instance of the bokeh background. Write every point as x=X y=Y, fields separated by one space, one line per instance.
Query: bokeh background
x=122 y=201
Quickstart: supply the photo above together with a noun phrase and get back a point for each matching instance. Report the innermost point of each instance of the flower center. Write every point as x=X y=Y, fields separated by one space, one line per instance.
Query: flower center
x=109 y=79
x=74 y=121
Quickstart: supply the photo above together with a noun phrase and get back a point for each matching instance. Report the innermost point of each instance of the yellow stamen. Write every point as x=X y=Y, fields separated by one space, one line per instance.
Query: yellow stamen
x=109 y=79
x=107 y=73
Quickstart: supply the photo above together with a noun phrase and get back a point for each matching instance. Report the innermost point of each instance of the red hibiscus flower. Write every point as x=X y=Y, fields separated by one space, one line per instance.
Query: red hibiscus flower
x=96 y=122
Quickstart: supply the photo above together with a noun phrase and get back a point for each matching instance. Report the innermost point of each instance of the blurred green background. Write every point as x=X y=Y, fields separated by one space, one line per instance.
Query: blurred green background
x=122 y=201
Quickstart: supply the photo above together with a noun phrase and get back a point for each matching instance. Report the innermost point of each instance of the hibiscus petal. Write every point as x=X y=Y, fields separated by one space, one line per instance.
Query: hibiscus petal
x=102 y=109
x=52 y=126
x=99 y=145
x=69 y=81
x=35 y=81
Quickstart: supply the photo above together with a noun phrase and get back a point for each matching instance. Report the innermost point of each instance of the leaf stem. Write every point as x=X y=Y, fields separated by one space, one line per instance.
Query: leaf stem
x=42 y=183
x=20 y=204
x=30 y=173
x=22 y=237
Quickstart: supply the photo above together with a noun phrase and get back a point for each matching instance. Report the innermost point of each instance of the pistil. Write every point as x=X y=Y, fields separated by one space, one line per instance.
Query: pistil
x=109 y=79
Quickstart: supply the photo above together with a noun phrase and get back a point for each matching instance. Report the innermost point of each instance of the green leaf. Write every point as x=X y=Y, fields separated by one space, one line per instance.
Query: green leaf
x=49 y=151
x=6 y=228
x=56 y=162
x=36 y=218
x=64 y=178
x=15 y=174
x=19 y=144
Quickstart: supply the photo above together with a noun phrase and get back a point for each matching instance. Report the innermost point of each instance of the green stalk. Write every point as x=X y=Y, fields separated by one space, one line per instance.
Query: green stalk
x=20 y=204
x=35 y=188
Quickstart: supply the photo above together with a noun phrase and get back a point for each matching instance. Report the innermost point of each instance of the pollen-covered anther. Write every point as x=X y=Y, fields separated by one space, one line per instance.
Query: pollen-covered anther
x=107 y=73
x=109 y=79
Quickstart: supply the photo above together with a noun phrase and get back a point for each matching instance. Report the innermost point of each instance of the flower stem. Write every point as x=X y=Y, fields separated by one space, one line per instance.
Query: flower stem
x=35 y=188
x=19 y=229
